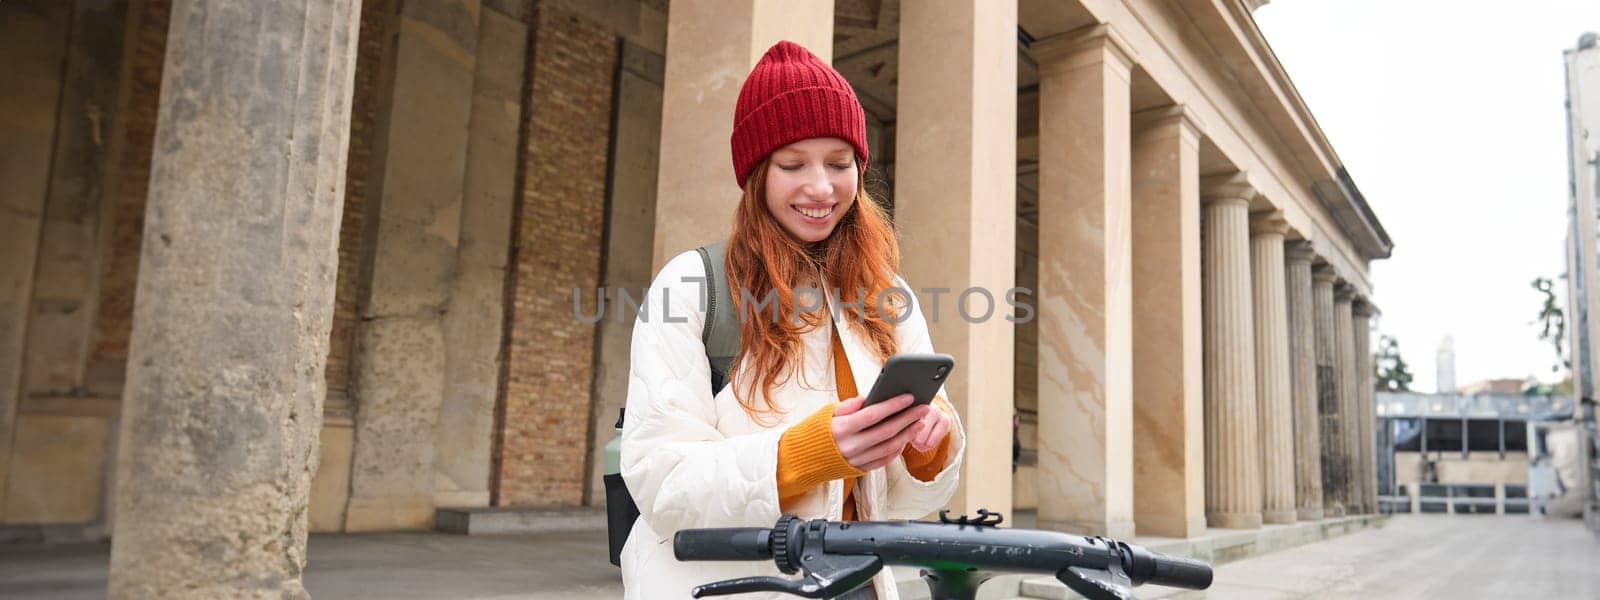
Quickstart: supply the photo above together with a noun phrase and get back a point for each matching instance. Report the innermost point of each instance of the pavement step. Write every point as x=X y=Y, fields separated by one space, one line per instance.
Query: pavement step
x=498 y=520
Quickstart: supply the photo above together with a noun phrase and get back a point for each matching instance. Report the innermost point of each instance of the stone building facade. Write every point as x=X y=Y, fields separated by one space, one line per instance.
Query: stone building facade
x=328 y=263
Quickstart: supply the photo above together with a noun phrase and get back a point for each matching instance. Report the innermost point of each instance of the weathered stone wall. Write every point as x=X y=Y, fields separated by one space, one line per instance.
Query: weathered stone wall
x=62 y=433
x=33 y=38
x=70 y=423
x=630 y=227
x=67 y=271
x=544 y=436
x=119 y=265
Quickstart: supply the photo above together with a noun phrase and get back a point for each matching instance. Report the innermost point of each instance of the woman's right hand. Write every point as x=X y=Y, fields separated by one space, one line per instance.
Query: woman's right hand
x=871 y=437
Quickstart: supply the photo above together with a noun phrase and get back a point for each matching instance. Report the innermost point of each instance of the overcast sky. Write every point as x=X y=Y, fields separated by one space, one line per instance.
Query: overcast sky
x=1449 y=116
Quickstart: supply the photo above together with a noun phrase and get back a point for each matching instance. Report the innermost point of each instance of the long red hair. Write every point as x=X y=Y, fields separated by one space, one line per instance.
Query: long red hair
x=859 y=258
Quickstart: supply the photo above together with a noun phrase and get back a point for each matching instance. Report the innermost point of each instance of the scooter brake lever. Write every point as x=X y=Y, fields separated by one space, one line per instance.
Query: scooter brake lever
x=1095 y=584
x=826 y=576
x=752 y=584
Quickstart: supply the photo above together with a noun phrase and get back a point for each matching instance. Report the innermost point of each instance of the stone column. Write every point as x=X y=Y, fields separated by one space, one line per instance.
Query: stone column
x=1233 y=454
x=1303 y=363
x=398 y=371
x=225 y=376
x=1366 y=470
x=1168 y=397
x=630 y=222
x=1085 y=295
x=1331 y=433
x=474 y=317
x=1370 y=389
x=1345 y=370
x=955 y=177
x=1274 y=410
x=711 y=46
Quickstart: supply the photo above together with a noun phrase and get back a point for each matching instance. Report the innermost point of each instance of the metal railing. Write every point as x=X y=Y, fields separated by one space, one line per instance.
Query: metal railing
x=1457 y=499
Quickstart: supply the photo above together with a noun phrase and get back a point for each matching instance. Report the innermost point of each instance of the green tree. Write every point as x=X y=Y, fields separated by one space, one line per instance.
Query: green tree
x=1389 y=368
x=1552 y=322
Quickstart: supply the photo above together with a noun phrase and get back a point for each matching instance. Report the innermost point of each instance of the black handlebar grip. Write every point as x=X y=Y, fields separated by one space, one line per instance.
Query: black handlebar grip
x=1181 y=572
x=731 y=543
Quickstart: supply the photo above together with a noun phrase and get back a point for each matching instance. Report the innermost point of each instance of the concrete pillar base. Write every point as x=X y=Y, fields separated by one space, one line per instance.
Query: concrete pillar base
x=389 y=513
x=1313 y=513
x=1333 y=511
x=1234 y=520
x=1122 y=530
x=1279 y=517
x=1171 y=527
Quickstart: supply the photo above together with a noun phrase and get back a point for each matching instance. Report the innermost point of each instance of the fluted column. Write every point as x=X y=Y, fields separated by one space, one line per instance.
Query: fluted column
x=1274 y=414
x=1366 y=470
x=1233 y=455
x=1372 y=423
x=1168 y=399
x=1303 y=368
x=1085 y=294
x=1345 y=367
x=1333 y=478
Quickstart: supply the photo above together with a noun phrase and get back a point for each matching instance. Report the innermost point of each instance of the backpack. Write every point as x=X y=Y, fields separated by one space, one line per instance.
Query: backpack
x=721 y=337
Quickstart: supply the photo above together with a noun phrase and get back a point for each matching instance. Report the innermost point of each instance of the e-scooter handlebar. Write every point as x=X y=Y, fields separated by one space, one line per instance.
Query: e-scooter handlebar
x=732 y=543
x=837 y=557
x=1164 y=569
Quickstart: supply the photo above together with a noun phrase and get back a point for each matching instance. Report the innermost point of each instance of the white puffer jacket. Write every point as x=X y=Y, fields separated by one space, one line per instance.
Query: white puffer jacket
x=692 y=460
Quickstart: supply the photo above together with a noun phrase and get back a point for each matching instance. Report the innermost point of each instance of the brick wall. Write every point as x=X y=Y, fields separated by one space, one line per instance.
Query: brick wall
x=146 y=53
x=543 y=435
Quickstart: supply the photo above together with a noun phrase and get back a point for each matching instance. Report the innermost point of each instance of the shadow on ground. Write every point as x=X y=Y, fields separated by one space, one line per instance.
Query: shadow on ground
x=1424 y=556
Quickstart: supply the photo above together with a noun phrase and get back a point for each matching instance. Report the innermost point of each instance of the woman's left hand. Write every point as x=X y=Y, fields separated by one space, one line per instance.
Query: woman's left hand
x=932 y=428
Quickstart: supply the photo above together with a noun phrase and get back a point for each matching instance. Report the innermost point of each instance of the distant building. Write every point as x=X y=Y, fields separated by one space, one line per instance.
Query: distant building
x=1463 y=452
x=1504 y=385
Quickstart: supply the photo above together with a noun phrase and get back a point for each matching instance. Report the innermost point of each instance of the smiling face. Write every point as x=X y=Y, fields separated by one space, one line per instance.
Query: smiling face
x=810 y=186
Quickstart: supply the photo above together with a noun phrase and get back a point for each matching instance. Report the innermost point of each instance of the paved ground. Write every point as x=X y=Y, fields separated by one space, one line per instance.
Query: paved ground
x=1411 y=557
x=401 y=566
x=1425 y=556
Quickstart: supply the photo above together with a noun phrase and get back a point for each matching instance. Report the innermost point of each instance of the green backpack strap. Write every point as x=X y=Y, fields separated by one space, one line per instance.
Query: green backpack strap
x=721 y=332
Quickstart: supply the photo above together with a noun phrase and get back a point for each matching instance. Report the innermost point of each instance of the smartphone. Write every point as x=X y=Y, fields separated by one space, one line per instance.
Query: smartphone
x=917 y=374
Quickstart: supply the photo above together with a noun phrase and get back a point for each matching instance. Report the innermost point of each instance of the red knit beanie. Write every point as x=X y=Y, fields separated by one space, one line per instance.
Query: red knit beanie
x=792 y=95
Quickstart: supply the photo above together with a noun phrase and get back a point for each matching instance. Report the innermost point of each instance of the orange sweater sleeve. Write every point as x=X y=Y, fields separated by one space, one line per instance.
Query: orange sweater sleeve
x=926 y=465
x=808 y=457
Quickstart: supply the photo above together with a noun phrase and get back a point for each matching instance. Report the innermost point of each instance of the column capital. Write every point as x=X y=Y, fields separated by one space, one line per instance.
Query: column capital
x=1322 y=274
x=1081 y=47
x=1268 y=222
x=1363 y=307
x=1343 y=293
x=1298 y=251
x=1230 y=187
x=1172 y=114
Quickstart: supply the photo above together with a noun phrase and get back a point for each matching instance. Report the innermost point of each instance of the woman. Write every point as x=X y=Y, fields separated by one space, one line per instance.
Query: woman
x=788 y=434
